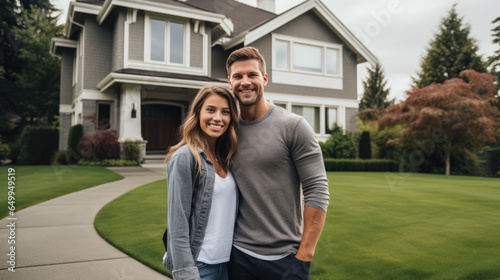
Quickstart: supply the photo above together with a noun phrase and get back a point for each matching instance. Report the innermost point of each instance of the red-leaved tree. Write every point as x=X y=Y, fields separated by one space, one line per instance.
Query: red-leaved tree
x=455 y=116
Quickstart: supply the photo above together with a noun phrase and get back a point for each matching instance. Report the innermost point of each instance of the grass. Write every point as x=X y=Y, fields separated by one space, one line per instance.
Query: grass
x=379 y=226
x=35 y=184
x=135 y=222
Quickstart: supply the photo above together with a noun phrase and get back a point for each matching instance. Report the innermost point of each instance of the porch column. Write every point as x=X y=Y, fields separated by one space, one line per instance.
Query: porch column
x=130 y=99
x=130 y=118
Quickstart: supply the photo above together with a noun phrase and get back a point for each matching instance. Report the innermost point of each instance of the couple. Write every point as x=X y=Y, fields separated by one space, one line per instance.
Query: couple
x=236 y=187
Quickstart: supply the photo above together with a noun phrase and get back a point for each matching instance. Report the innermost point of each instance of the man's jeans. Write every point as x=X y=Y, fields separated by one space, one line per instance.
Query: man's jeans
x=245 y=267
x=212 y=271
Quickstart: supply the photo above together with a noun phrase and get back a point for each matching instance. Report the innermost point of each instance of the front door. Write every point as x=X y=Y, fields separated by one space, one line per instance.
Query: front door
x=159 y=125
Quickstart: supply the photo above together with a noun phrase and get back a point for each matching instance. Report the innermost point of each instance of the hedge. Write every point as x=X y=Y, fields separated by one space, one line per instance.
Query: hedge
x=108 y=162
x=493 y=161
x=361 y=165
x=38 y=145
x=73 y=154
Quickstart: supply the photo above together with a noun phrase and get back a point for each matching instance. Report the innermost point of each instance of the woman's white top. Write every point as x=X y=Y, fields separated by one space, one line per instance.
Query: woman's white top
x=218 y=240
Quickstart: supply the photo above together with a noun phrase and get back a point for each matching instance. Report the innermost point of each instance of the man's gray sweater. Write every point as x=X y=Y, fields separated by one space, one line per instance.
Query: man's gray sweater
x=276 y=154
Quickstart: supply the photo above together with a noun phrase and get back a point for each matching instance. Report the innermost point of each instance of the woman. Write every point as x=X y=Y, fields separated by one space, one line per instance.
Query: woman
x=202 y=194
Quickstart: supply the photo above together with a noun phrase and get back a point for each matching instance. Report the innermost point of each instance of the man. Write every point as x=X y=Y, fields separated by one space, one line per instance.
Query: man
x=275 y=234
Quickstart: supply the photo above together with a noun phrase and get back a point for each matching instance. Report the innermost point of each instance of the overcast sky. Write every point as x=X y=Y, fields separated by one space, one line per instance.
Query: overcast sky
x=398 y=31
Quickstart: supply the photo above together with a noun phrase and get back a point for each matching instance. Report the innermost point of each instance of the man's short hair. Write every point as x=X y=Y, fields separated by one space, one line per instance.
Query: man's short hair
x=246 y=53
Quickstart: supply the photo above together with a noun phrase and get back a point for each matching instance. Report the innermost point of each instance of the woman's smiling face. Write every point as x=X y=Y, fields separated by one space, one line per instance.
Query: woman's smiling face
x=215 y=116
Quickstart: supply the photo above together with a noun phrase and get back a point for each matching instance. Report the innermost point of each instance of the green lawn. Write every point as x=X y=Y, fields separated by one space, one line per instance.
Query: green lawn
x=35 y=184
x=379 y=226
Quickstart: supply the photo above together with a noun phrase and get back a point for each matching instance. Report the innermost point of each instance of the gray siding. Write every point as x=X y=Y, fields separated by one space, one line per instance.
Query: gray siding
x=309 y=26
x=118 y=38
x=98 y=52
x=301 y=27
x=219 y=57
x=196 y=48
x=66 y=87
x=352 y=120
x=64 y=126
x=136 y=38
x=89 y=112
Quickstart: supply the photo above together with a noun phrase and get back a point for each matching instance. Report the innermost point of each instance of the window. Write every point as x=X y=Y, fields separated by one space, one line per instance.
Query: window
x=167 y=41
x=176 y=42
x=332 y=61
x=103 y=115
x=306 y=56
x=157 y=40
x=330 y=119
x=311 y=114
x=282 y=54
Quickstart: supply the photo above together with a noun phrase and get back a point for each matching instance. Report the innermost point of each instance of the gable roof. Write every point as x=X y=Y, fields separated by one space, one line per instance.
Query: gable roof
x=253 y=34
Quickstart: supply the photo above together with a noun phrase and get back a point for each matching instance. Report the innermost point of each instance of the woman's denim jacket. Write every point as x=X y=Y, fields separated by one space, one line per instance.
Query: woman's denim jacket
x=189 y=203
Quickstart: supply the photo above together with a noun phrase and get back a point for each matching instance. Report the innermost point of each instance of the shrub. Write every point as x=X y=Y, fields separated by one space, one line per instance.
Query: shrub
x=38 y=145
x=384 y=143
x=493 y=161
x=60 y=157
x=15 y=147
x=339 y=145
x=4 y=150
x=460 y=164
x=361 y=165
x=132 y=150
x=73 y=151
x=108 y=162
x=365 y=148
x=101 y=145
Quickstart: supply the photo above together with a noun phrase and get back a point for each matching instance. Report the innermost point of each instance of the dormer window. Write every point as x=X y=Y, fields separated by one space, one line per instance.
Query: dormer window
x=166 y=41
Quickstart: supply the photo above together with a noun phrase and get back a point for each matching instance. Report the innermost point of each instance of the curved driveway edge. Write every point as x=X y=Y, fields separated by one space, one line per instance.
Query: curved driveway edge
x=56 y=239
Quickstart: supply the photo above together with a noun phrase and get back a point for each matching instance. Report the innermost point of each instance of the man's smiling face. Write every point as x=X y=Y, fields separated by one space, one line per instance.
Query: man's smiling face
x=247 y=81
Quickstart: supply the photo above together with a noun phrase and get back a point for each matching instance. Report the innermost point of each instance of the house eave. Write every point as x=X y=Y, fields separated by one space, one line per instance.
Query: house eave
x=77 y=7
x=162 y=8
x=57 y=43
x=117 y=78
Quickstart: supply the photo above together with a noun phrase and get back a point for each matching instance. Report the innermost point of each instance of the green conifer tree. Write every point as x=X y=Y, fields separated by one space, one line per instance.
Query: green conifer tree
x=375 y=90
x=452 y=51
x=494 y=60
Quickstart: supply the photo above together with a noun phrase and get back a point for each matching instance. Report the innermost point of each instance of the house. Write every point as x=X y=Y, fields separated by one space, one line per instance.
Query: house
x=134 y=65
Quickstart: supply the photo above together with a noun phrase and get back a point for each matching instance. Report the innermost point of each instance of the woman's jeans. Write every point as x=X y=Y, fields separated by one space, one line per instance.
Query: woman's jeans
x=212 y=271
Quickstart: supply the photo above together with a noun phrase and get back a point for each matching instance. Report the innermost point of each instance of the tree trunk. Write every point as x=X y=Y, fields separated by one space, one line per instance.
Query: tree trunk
x=447 y=162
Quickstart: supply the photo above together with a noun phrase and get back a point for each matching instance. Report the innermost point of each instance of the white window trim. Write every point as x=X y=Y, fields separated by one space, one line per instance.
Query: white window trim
x=305 y=78
x=323 y=102
x=78 y=55
x=147 y=40
x=324 y=45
